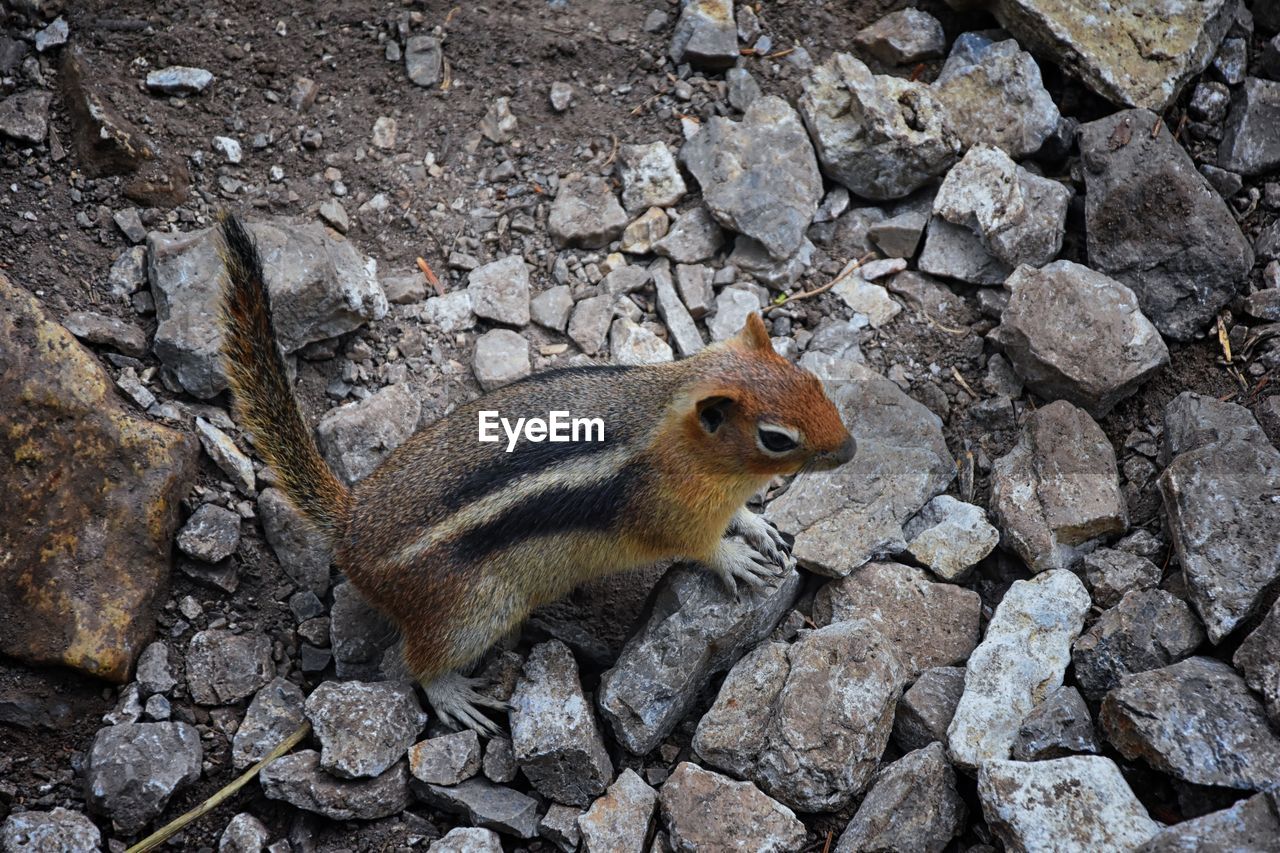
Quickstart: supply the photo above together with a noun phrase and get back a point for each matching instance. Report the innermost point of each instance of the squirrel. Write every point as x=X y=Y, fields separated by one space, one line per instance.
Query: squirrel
x=457 y=540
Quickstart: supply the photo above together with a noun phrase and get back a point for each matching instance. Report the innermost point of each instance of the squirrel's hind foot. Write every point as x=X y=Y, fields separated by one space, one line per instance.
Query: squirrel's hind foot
x=457 y=701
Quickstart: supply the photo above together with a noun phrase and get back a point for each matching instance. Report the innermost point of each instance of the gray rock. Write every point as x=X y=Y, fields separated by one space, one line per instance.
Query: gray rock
x=1209 y=102
x=1226 y=183
x=60 y=829
x=694 y=238
x=650 y=177
x=1232 y=60
x=54 y=35
x=843 y=518
x=645 y=230
x=129 y=221
x=560 y=826
x=1146 y=630
x=693 y=630
x=561 y=96
x=133 y=769
x=1251 y=824
x=705 y=36
x=298 y=780
x=882 y=137
x=585 y=213
x=451 y=312
x=224 y=453
x=424 y=60
x=956 y=252
x=302 y=550
x=926 y=708
x=633 y=344
x=1184 y=264
x=1111 y=573
x=275 y=713
x=1078 y=335
x=745 y=818
x=1022 y=657
x=500 y=291
x=153 y=673
x=484 y=804
x=179 y=80
x=912 y=804
x=1251 y=141
x=992 y=93
x=359 y=634
x=501 y=357
x=25 y=117
x=128 y=708
x=758 y=176
x=229 y=149
x=928 y=624
x=210 y=534
x=554 y=733
x=743 y=88
x=1057 y=491
x=1058 y=726
x=335 y=216
x=1258 y=659
x=244 y=834
x=733 y=306
x=446 y=760
x=681 y=327
x=407 y=289
x=624 y=280
x=751 y=257
x=499 y=760
x=499 y=124
x=1196 y=720
x=807 y=722
x=551 y=307
x=694 y=282
x=129 y=272
x=590 y=322
x=621 y=819
x=868 y=299
x=363 y=728
x=121 y=336
x=158 y=708
x=1075 y=803
x=1193 y=421
x=354 y=438
x=223 y=667
x=467 y=839
x=903 y=37
x=950 y=537
x=899 y=236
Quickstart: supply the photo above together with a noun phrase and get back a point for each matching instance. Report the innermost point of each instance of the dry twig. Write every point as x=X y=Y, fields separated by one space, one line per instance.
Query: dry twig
x=430 y=276
x=844 y=273
x=963 y=384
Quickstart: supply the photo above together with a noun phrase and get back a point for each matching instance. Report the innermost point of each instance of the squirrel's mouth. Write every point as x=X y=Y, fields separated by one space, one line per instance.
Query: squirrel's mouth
x=829 y=459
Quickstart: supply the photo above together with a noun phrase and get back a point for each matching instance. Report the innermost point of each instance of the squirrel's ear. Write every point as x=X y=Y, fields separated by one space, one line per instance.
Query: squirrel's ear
x=713 y=410
x=754 y=336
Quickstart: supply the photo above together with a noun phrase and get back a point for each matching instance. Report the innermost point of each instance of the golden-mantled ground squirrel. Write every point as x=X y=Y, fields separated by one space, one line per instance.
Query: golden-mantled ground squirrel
x=457 y=540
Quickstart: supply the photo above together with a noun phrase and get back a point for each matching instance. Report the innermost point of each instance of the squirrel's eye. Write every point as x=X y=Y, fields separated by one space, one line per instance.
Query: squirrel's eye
x=777 y=441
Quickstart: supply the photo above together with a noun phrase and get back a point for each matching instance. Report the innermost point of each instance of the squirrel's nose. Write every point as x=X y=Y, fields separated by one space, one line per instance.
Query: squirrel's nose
x=846 y=451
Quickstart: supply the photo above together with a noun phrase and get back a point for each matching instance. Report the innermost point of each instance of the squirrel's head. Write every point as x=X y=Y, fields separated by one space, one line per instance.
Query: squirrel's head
x=755 y=409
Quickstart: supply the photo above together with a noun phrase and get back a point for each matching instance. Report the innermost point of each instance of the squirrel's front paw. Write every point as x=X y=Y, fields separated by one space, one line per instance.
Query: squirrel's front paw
x=761 y=535
x=736 y=561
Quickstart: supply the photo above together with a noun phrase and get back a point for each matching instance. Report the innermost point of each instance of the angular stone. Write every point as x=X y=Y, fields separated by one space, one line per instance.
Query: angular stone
x=1078 y=335
x=211 y=534
x=133 y=769
x=650 y=177
x=467 y=839
x=561 y=96
x=1022 y=657
x=928 y=624
x=956 y=252
x=1250 y=140
x=501 y=357
x=99 y=329
x=60 y=829
x=446 y=760
x=903 y=37
x=899 y=236
x=179 y=80
x=1075 y=803
x=743 y=88
x=302 y=550
x=1058 y=490
x=1196 y=720
x=244 y=834
x=223 y=667
x=694 y=630
x=1111 y=573
x=154 y=674
x=751 y=257
x=451 y=312
x=585 y=213
x=882 y=137
x=298 y=780
x=551 y=308
x=590 y=322
x=1251 y=824
x=694 y=237
x=950 y=537
x=1258 y=659
x=484 y=804
x=1157 y=226
x=1146 y=630
x=681 y=327
x=645 y=230
x=275 y=713
x=926 y=708
x=866 y=298
x=424 y=60
x=633 y=344
x=744 y=818
x=359 y=634
x=621 y=819
x=560 y=826
x=354 y=438
x=733 y=306
x=499 y=760
x=363 y=728
x=500 y=291
x=1058 y=726
x=499 y=124
x=223 y=451
x=705 y=36
x=1209 y=102
x=912 y=804
x=758 y=176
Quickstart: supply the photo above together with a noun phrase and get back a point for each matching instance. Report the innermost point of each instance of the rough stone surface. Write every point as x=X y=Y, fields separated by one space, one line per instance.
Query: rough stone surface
x=693 y=238
x=484 y=804
x=302 y=550
x=867 y=298
x=275 y=713
x=424 y=60
x=733 y=306
x=1251 y=824
x=1022 y=657
x=1250 y=142
x=1196 y=720
x=551 y=308
x=446 y=760
x=1075 y=803
x=223 y=667
x=179 y=80
x=704 y=811
x=298 y=780
x=650 y=177
x=590 y=322
x=926 y=708
x=1111 y=573
x=758 y=176
x=681 y=327
x=358 y=633
x=1147 y=629
x=355 y=437
x=229 y=458
x=903 y=37
x=619 y=821
x=950 y=537
x=59 y=829
x=501 y=357
x=705 y=35
x=586 y=214
x=633 y=344
x=154 y=673
x=363 y=728
x=1078 y=335
x=500 y=291
x=956 y=252
x=1258 y=659
x=25 y=117
x=107 y=331
x=244 y=834
x=1185 y=264
x=451 y=312
x=912 y=804
x=467 y=839
x=133 y=769
x=92 y=495
x=211 y=534
x=1058 y=726
x=808 y=722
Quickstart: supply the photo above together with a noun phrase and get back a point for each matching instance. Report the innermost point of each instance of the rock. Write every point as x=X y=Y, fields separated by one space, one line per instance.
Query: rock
x=302 y=550
x=903 y=37
x=244 y=834
x=363 y=728
x=705 y=36
x=1251 y=824
x=223 y=667
x=1232 y=60
x=551 y=308
x=229 y=149
x=751 y=257
x=560 y=826
x=498 y=124
x=1209 y=102
x=704 y=811
x=1075 y=803
x=1184 y=264
x=992 y=94
x=928 y=624
x=298 y=780
x=469 y=839
x=843 y=518
x=621 y=819
x=866 y=298
x=385 y=129
x=129 y=273
x=681 y=327
x=224 y=453
x=179 y=80
x=649 y=176
x=500 y=291
x=501 y=357
x=743 y=88
x=1250 y=142
x=647 y=229
x=1058 y=490
x=912 y=804
x=590 y=322
x=1022 y=657
x=1019 y=217
x=25 y=117
x=899 y=236
x=424 y=60
x=950 y=537
x=359 y=635
x=758 y=176
x=451 y=312
x=926 y=708
x=211 y=534
x=95 y=328
x=154 y=674
x=54 y=35
x=630 y=343
x=320 y=287
x=335 y=216
x=733 y=306
x=1112 y=573
x=1258 y=659
x=60 y=829
x=1058 y=726
x=694 y=237
x=1193 y=422
x=133 y=769
x=78 y=464
x=694 y=282
x=694 y=629
x=1078 y=335
x=1146 y=630
x=585 y=214
x=484 y=804
x=354 y=438
x=956 y=252
x=446 y=760
x=1229 y=566
x=275 y=713
x=561 y=96
x=500 y=761
x=880 y=136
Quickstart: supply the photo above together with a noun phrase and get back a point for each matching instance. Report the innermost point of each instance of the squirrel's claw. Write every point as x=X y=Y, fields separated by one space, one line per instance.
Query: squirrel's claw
x=455 y=698
x=736 y=561
x=761 y=535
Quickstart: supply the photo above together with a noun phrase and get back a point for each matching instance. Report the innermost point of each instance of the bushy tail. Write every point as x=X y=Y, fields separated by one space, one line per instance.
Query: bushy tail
x=260 y=382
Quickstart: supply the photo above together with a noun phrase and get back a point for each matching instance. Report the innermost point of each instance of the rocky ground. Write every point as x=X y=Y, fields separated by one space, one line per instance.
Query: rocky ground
x=1037 y=611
